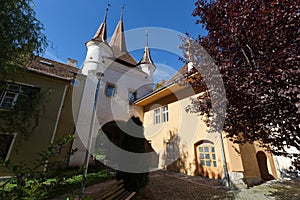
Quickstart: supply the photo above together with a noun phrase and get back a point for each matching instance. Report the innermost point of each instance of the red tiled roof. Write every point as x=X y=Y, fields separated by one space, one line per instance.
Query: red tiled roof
x=52 y=68
x=128 y=58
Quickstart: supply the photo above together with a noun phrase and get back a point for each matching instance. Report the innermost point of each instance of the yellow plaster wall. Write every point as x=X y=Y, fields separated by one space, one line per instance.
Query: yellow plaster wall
x=190 y=129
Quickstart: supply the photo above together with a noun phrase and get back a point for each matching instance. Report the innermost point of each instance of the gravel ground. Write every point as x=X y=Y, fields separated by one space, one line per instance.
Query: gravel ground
x=177 y=186
x=167 y=185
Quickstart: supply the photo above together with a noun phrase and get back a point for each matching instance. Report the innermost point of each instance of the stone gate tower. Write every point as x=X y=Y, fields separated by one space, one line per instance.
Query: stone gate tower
x=124 y=80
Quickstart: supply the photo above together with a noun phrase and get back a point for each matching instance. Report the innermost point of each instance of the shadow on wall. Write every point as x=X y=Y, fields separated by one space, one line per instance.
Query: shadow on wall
x=175 y=158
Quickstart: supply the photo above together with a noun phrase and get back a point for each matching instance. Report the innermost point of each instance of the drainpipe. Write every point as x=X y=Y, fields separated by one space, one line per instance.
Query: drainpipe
x=56 y=122
x=226 y=174
x=58 y=114
x=87 y=152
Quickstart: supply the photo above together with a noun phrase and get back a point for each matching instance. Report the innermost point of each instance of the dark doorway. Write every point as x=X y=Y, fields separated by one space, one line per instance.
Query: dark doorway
x=263 y=166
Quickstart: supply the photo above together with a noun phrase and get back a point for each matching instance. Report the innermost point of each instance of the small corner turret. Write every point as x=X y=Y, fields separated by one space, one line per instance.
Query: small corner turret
x=97 y=47
x=146 y=64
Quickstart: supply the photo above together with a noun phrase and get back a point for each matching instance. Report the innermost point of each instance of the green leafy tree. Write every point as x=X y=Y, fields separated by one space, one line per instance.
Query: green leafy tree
x=256 y=45
x=20 y=36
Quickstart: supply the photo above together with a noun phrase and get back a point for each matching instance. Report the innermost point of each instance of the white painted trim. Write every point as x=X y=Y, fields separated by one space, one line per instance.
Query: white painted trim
x=20 y=83
x=58 y=114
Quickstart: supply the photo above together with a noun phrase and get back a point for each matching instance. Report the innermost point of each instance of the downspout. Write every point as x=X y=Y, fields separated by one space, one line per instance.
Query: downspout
x=92 y=123
x=56 y=122
x=58 y=114
x=226 y=175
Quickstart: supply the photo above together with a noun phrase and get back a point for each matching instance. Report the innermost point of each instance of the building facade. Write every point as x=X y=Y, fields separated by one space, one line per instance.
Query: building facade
x=180 y=139
x=185 y=144
x=116 y=80
x=54 y=81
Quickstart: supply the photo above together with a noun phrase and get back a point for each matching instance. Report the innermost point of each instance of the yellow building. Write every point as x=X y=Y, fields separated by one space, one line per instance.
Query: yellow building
x=184 y=145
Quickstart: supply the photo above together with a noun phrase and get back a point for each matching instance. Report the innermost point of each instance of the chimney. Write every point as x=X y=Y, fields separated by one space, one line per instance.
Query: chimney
x=72 y=62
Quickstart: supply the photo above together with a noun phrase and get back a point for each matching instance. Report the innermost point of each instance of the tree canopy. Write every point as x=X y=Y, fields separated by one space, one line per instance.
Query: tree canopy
x=20 y=35
x=255 y=44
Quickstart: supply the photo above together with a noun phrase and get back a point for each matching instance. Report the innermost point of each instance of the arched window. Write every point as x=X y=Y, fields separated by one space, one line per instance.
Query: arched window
x=207 y=155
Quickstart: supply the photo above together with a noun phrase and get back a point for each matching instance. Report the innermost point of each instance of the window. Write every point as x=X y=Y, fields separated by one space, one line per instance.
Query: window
x=110 y=90
x=15 y=93
x=132 y=97
x=157 y=116
x=207 y=156
x=170 y=150
x=165 y=115
x=161 y=115
x=6 y=141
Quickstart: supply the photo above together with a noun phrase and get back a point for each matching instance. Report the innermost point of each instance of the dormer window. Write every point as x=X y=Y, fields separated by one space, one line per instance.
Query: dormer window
x=46 y=63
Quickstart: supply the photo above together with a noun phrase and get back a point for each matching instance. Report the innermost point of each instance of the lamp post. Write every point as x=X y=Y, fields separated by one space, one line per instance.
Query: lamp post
x=87 y=152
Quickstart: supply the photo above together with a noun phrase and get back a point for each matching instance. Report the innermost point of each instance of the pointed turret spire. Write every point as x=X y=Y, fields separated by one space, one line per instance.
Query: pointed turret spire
x=117 y=41
x=146 y=59
x=101 y=33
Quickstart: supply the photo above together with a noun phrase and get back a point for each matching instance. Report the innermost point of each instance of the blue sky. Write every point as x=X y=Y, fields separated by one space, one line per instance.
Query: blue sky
x=70 y=23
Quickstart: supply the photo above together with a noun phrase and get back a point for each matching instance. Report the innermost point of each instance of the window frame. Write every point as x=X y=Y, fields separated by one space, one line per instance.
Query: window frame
x=17 y=92
x=8 y=153
x=171 y=151
x=165 y=114
x=207 y=155
x=106 y=90
x=130 y=93
x=157 y=116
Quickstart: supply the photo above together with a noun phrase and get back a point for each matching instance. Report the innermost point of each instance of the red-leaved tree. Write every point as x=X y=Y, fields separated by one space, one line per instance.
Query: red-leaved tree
x=255 y=44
